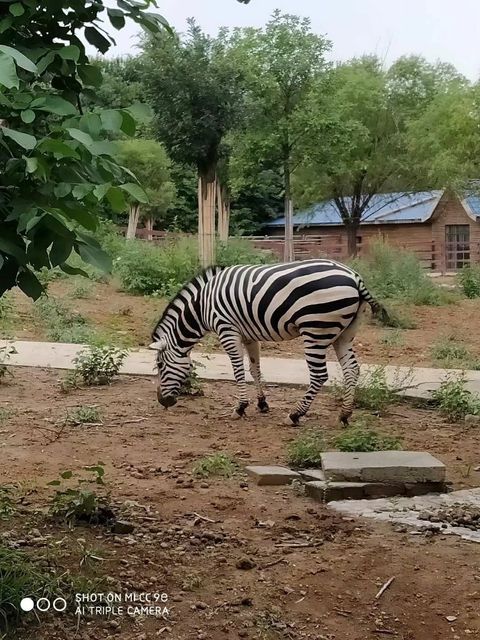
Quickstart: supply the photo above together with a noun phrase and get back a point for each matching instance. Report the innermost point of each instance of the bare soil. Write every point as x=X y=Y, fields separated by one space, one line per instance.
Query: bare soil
x=131 y=318
x=322 y=590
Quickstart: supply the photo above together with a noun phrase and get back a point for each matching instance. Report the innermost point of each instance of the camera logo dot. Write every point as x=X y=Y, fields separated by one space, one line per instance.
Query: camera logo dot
x=26 y=604
x=43 y=604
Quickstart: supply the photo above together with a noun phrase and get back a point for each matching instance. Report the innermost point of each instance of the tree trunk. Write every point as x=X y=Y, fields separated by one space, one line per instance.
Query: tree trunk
x=207 y=188
x=149 y=227
x=352 y=230
x=133 y=217
x=289 y=251
x=223 y=205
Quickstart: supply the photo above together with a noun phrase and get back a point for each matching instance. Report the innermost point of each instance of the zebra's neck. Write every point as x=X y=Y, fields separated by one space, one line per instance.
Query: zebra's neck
x=182 y=324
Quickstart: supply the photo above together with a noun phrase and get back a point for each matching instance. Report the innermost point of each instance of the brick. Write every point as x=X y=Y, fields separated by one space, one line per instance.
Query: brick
x=272 y=475
x=390 y=467
x=312 y=474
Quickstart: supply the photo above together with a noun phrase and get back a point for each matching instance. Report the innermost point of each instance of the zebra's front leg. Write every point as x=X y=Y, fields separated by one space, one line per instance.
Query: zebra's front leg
x=253 y=351
x=232 y=343
x=317 y=366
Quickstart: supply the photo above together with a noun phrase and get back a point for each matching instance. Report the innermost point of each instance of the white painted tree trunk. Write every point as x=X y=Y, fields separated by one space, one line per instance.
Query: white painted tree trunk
x=206 y=220
x=149 y=227
x=289 y=251
x=223 y=205
x=133 y=217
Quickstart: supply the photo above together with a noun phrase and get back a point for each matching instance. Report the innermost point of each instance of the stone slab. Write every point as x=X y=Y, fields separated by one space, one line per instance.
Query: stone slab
x=327 y=491
x=312 y=474
x=383 y=466
x=272 y=475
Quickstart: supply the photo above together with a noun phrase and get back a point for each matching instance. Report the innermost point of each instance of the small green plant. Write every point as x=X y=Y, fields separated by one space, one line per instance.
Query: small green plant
x=454 y=400
x=99 y=365
x=193 y=385
x=451 y=353
x=306 y=450
x=359 y=437
x=5 y=414
x=80 y=502
x=217 y=464
x=69 y=382
x=82 y=290
x=7 y=313
x=192 y=582
x=60 y=323
x=85 y=414
x=7 y=502
x=393 y=338
x=373 y=392
x=469 y=280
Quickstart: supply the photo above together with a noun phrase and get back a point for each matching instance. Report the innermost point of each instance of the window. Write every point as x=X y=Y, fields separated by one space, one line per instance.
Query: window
x=457 y=246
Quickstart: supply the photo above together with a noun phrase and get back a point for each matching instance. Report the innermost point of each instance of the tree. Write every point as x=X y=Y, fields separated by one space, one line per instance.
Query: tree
x=361 y=147
x=194 y=90
x=57 y=167
x=151 y=165
x=284 y=62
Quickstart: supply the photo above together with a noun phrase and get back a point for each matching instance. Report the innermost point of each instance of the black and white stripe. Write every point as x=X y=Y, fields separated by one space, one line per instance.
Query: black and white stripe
x=318 y=300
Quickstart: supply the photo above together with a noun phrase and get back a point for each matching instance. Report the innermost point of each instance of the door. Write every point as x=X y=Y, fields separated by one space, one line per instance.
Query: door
x=457 y=246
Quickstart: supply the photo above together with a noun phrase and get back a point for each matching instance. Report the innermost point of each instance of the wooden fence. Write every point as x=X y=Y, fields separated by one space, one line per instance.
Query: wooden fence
x=433 y=255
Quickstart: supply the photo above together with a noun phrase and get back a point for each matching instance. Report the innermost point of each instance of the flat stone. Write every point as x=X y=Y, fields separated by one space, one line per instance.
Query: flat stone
x=121 y=527
x=423 y=488
x=472 y=420
x=272 y=475
x=328 y=491
x=312 y=474
x=391 y=467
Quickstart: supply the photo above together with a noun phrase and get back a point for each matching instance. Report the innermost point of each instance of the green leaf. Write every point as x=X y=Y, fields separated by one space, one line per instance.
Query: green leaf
x=95 y=38
x=66 y=475
x=101 y=190
x=27 y=116
x=128 y=125
x=81 y=136
x=117 y=18
x=140 y=111
x=58 y=148
x=72 y=52
x=116 y=199
x=79 y=191
x=16 y=9
x=62 y=189
x=90 y=75
x=103 y=148
x=53 y=483
x=54 y=104
x=94 y=256
x=21 y=60
x=8 y=72
x=111 y=119
x=25 y=140
x=60 y=251
x=73 y=271
x=32 y=164
x=135 y=191
x=45 y=61
x=30 y=284
x=12 y=249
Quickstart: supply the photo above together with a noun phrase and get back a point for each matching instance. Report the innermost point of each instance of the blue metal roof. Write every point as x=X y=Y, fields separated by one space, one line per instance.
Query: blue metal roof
x=473 y=203
x=383 y=208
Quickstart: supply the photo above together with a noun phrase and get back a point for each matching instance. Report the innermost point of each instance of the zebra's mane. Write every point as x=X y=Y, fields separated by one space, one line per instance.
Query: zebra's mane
x=201 y=278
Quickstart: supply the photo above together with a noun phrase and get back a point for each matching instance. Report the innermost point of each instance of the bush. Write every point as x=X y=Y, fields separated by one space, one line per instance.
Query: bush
x=238 y=251
x=469 y=280
x=217 y=464
x=99 y=365
x=358 y=437
x=306 y=449
x=454 y=400
x=394 y=273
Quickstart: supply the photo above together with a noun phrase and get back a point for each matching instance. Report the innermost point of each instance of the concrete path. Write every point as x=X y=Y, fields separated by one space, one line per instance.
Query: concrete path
x=418 y=382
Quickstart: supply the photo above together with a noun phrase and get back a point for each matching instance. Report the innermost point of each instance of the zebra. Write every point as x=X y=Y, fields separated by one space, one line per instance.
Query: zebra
x=319 y=300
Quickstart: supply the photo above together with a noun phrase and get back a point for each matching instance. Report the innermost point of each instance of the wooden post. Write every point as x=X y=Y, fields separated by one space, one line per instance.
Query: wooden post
x=206 y=219
x=289 y=251
x=223 y=206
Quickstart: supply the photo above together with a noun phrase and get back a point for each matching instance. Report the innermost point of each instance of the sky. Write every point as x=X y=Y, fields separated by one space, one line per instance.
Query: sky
x=437 y=29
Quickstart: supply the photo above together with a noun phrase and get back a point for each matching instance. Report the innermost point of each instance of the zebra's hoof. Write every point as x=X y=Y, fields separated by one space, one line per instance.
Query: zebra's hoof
x=262 y=405
x=236 y=415
x=293 y=419
x=344 y=420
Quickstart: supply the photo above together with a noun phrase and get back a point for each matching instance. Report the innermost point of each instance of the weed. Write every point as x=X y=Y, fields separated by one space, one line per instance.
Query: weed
x=5 y=353
x=60 y=323
x=359 y=437
x=7 y=502
x=454 y=400
x=306 y=449
x=5 y=414
x=298 y=487
x=82 y=290
x=99 y=365
x=192 y=385
x=192 y=582
x=85 y=414
x=88 y=555
x=393 y=338
x=217 y=464
x=451 y=353
x=373 y=392
x=69 y=382
x=7 y=313
x=80 y=502
x=469 y=280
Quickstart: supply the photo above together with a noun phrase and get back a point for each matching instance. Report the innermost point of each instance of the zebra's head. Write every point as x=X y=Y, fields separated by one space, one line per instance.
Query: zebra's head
x=173 y=369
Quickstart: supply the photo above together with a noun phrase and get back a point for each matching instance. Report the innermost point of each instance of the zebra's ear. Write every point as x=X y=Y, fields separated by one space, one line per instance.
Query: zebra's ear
x=159 y=345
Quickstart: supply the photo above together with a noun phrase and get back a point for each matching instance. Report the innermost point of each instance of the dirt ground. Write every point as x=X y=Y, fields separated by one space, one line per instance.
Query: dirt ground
x=191 y=533
x=131 y=318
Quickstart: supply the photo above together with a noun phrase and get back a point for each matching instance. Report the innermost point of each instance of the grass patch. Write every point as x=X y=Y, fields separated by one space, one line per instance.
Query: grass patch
x=7 y=502
x=393 y=273
x=217 y=464
x=60 y=323
x=360 y=436
x=454 y=400
x=306 y=449
x=451 y=353
x=7 y=313
x=393 y=338
x=84 y=415
x=82 y=289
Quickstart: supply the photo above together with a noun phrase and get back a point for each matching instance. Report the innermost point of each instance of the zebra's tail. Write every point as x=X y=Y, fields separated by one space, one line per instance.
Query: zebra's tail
x=378 y=310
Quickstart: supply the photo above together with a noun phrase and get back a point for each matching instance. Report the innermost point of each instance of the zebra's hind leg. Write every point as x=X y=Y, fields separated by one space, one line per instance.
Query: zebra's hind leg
x=351 y=371
x=233 y=346
x=253 y=351
x=315 y=352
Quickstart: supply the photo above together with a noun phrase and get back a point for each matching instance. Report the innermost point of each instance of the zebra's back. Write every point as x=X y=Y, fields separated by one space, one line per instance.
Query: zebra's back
x=279 y=302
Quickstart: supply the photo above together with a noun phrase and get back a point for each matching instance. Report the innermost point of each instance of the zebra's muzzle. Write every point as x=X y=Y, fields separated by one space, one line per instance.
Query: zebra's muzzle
x=166 y=401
